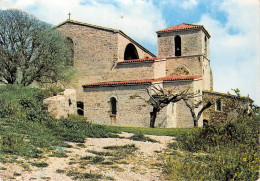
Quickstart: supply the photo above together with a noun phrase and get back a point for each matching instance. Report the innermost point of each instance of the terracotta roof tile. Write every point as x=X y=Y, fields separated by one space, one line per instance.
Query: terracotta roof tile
x=141 y=60
x=180 y=27
x=183 y=26
x=143 y=81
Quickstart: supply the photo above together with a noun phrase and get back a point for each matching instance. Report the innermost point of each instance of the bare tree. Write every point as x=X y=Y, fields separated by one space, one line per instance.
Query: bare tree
x=193 y=106
x=31 y=50
x=162 y=98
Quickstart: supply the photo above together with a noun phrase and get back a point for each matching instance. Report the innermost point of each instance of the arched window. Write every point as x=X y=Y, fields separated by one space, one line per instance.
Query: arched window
x=130 y=52
x=177 y=45
x=80 y=108
x=113 y=105
x=71 y=50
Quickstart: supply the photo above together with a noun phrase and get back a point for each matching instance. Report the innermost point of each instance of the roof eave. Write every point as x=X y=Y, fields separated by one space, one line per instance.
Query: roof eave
x=201 y=27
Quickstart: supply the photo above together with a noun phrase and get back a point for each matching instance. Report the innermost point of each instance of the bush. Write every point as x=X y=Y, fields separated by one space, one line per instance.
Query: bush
x=22 y=114
x=140 y=137
x=229 y=151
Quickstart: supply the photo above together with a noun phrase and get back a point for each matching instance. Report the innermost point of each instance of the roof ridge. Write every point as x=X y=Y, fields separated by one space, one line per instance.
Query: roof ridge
x=107 y=29
x=88 y=24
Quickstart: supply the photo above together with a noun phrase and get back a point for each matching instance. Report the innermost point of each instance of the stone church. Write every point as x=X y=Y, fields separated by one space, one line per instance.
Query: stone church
x=114 y=72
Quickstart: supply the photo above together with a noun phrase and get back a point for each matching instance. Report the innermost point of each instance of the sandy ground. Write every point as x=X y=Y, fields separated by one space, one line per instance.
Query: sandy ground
x=141 y=165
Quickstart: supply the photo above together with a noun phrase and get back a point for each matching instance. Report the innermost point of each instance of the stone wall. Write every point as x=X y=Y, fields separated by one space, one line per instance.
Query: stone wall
x=189 y=65
x=62 y=105
x=132 y=109
x=123 y=42
x=181 y=115
x=134 y=71
x=96 y=52
x=227 y=106
x=191 y=43
x=139 y=70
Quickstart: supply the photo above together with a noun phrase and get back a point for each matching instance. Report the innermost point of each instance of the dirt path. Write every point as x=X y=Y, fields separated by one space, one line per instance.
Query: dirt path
x=126 y=160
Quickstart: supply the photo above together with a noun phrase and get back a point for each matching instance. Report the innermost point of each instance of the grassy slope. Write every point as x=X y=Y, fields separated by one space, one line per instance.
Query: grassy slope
x=225 y=152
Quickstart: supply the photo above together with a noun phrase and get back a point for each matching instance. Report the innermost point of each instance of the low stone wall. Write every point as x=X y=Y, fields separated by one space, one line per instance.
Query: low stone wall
x=62 y=105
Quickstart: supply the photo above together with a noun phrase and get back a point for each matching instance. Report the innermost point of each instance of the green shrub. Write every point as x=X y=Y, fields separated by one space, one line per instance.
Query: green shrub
x=140 y=137
x=40 y=164
x=230 y=152
x=23 y=114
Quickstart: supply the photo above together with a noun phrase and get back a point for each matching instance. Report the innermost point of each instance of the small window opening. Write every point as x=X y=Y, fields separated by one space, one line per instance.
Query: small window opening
x=218 y=105
x=80 y=108
x=130 y=52
x=177 y=45
x=70 y=102
x=206 y=45
x=71 y=50
x=113 y=103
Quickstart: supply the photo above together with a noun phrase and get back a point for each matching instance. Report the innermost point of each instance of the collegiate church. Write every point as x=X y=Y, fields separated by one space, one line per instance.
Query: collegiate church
x=114 y=72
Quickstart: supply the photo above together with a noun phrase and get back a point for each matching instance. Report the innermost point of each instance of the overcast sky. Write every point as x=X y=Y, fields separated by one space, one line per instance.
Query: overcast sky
x=233 y=26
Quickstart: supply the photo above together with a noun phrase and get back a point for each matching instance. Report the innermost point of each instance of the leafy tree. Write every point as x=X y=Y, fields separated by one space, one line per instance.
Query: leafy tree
x=31 y=50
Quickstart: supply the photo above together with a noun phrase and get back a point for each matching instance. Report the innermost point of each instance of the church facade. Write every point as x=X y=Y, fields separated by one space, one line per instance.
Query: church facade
x=114 y=73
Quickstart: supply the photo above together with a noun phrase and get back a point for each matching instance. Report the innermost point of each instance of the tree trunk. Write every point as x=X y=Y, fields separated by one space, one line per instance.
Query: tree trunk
x=153 y=116
x=195 y=120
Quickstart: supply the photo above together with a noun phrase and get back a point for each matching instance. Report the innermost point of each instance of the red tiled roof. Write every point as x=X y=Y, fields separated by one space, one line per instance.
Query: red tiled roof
x=141 y=60
x=183 y=26
x=144 y=81
x=180 y=27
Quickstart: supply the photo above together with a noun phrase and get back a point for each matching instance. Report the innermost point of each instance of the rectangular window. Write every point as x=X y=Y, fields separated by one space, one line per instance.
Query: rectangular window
x=218 y=105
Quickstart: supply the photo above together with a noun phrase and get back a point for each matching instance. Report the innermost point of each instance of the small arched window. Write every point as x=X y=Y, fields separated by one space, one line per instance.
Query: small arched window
x=130 y=52
x=80 y=108
x=177 y=45
x=71 y=50
x=113 y=103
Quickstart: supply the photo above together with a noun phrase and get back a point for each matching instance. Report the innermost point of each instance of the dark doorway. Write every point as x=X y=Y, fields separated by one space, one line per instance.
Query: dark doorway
x=80 y=108
x=113 y=105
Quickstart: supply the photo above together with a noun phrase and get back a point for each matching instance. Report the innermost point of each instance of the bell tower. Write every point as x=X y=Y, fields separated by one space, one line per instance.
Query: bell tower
x=186 y=49
x=183 y=40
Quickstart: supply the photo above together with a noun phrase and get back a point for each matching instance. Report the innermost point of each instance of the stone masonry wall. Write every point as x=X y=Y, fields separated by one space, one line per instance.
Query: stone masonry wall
x=181 y=115
x=62 y=105
x=191 y=43
x=123 y=42
x=134 y=71
x=139 y=70
x=190 y=65
x=95 y=52
x=131 y=109
x=226 y=112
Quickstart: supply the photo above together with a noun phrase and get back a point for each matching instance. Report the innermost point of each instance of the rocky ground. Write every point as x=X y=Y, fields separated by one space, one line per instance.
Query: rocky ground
x=118 y=159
